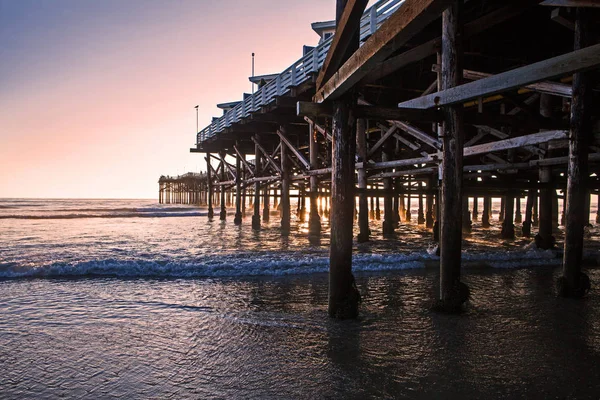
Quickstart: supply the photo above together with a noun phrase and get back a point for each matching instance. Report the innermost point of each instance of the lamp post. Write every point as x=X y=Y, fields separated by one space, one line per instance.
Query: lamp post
x=196 y=118
x=253 y=73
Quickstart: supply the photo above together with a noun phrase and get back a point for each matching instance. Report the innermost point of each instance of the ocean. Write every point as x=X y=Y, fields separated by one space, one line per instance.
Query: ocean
x=131 y=299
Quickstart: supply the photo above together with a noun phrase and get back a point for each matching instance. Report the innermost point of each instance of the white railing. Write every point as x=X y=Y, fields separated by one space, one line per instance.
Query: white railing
x=297 y=73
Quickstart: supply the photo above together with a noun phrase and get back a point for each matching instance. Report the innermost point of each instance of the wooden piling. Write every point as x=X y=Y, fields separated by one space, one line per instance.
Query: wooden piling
x=257 y=166
x=210 y=186
x=453 y=293
x=388 y=211
x=223 y=213
x=487 y=212
x=508 y=225
x=266 y=204
x=285 y=189
x=363 y=205
x=237 y=220
x=314 y=219
x=573 y=282
x=544 y=238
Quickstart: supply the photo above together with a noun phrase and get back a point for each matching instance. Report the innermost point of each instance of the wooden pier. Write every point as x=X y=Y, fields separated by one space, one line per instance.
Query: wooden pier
x=441 y=101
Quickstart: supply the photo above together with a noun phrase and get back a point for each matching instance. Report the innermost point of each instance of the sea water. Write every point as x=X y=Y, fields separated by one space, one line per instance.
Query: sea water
x=131 y=299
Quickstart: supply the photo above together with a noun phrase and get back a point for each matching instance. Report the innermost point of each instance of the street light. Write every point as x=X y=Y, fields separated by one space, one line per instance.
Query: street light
x=196 y=118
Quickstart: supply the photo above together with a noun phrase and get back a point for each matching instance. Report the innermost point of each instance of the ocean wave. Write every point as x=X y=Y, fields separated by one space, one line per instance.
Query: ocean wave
x=136 y=214
x=266 y=264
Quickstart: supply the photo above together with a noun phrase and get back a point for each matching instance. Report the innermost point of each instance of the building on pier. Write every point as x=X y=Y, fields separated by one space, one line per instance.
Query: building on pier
x=446 y=102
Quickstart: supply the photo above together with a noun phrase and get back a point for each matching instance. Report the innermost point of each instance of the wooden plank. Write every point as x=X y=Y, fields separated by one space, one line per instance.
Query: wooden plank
x=286 y=141
x=418 y=134
x=576 y=61
x=381 y=141
x=243 y=159
x=515 y=142
x=571 y=3
x=345 y=33
x=429 y=48
x=411 y=130
x=553 y=88
x=319 y=128
x=310 y=109
x=267 y=155
x=409 y=19
x=501 y=135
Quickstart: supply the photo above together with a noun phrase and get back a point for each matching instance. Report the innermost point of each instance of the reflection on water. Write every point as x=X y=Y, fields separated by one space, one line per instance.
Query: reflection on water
x=271 y=338
x=183 y=307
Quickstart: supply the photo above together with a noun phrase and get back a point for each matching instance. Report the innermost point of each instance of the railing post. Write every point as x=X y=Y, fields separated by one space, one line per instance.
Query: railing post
x=373 y=19
x=278 y=85
x=315 y=60
x=294 y=75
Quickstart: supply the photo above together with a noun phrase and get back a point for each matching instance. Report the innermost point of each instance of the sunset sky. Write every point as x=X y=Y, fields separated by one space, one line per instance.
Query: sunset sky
x=97 y=97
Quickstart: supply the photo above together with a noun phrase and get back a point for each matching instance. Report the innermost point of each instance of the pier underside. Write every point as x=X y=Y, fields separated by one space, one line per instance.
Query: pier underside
x=447 y=103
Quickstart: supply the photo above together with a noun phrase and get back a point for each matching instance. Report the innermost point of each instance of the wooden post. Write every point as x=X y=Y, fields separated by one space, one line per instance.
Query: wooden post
x=502 y=206
x=421 y=214
x=266 y=204
x=453 y=293
x=314 y=220
x=223 y=213
x=573 y=282
x=485 y=216
x=475 y=209
x=408 y=214
x=343 y=294
x=244 y=193
x=518 y=215
x=372 y=209
x=467 y=225
x=388 y=212
x=302 y=202
x=377 y=209
x=508 y=225
x=363 y=204
x=544 y=239
x=257 y=166
x=531 y=199
x=285 y=190
x=210 y=187
x=238 y=190
x=429 y=206
x=395 y=202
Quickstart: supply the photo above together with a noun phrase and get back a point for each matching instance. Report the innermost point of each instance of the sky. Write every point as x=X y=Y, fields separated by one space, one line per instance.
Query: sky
x=97 y=96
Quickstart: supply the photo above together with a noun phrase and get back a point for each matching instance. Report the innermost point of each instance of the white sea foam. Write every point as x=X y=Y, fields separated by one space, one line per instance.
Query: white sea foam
x=266 y=264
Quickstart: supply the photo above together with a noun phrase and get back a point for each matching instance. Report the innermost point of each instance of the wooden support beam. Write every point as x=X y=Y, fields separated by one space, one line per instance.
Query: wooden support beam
x=409 y=19
x=381 y=141
x=310 y=109
x=243 y=160
x=571 y=3
x=319 y=128
x=501 y=135
x=411 y=130
x=286 y=141
x=267 y=156
x=226 y=164
x=553 y=88
x=429 y=48
x=515 y=142
x=576 y=61
x=345 y=34
x=557 y=17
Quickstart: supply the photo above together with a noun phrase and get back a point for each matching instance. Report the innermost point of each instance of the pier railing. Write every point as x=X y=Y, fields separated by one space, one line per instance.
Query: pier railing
x=297 y=73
